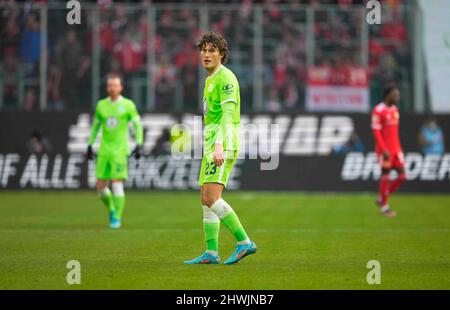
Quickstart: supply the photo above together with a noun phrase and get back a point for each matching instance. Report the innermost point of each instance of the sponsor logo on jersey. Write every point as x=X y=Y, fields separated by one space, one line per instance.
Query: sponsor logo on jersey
x=211 y=87
x=228 y=89
x=111 y=122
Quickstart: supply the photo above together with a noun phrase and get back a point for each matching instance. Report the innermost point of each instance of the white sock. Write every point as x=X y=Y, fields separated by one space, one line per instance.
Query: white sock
x=384 y=208
x=117 y=188
x=104 y=192
x=209 y=216
x=221 y=208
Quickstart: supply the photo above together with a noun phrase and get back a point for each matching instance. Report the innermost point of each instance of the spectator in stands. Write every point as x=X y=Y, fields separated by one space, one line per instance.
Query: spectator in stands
x=165 y=23
x=39 y=143
x=354 y=144
x=284 y=45
x=30 y=102
x=394 y=34
x=142 y=28
x=54 y=88
x=107 y=37
x=69 y=54
x=164 y=74
x=129 y=52
x=273 y=104
x=340 y=71
x=11 y=72
x=121 y=20
x=30 y=44
x=376 y=53
x=431 y=138
x=187 y=68
x=389 y=69
x=290 y=95
x=10 y=35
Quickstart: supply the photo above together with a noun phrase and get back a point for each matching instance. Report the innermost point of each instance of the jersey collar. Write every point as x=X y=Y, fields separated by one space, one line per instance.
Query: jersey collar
x=388 y=107
x=117 y=100
x=220 y=68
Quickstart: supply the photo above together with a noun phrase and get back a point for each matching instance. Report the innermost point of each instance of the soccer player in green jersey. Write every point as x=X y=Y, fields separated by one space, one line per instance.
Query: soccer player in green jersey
x=113 y=114
x=221 y=101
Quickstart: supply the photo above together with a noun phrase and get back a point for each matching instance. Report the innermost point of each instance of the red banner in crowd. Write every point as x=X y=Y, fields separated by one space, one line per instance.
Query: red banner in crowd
x=343 y=89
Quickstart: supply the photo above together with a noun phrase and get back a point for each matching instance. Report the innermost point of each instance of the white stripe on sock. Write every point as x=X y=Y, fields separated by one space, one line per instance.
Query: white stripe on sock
x=221 y=208
x=104 y=192
x=209 y=216
x=117 y=188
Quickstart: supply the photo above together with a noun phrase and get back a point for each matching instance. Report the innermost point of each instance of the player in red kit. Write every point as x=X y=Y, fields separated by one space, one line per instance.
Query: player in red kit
x=385 y=123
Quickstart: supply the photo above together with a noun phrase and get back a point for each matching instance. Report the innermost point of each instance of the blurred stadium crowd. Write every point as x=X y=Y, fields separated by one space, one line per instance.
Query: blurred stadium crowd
x=124 y=37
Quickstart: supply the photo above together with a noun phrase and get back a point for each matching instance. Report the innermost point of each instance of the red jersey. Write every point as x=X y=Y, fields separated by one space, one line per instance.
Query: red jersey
x=386 y=120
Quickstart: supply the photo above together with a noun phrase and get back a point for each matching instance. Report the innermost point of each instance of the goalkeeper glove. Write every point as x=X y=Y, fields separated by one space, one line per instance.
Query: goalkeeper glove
x=137 y=152
x=90 y=153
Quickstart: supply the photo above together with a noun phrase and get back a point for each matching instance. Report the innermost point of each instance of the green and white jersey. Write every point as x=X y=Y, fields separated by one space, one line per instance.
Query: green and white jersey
x=220 y=88
x=113 y=118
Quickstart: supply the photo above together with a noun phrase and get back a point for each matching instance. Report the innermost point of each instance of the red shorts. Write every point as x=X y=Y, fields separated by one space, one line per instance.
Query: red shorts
x=394 y=161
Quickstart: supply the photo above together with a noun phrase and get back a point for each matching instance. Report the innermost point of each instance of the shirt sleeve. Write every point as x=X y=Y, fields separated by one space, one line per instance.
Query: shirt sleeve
x=377 y=125
x=377 y=122
x=96 y=123
x=135 y=119
x=228 y=91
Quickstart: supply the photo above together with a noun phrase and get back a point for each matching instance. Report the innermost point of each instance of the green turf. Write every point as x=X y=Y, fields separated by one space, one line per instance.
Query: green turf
x=305 y=241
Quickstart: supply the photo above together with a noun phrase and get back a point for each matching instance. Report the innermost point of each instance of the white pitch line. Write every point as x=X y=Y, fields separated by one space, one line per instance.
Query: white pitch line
x=184 y=230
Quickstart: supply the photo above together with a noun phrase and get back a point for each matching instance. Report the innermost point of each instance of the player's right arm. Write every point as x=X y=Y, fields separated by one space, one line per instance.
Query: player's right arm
x=377 y=126
x=96 y=124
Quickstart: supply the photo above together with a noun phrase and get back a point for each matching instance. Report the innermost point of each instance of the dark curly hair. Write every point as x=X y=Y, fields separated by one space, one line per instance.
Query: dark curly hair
x=217 y=40
x=388 y=89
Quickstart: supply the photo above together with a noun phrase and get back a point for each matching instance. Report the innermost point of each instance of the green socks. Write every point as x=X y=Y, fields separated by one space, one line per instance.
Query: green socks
x=229 y=218
x=107 y=198
x=231 y=221
x=114 y=201
x=211 y=231
x=221 y=211
x=211 y=227
x=119 y=203
x=118 y=198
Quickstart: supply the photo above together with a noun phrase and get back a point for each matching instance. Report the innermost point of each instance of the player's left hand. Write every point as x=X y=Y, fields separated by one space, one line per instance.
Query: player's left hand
x=137 y=152
x=218 y=155
x=90 y=153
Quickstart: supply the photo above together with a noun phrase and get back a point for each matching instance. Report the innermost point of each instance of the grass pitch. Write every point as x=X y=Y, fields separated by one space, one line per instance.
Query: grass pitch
x=305 y=241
